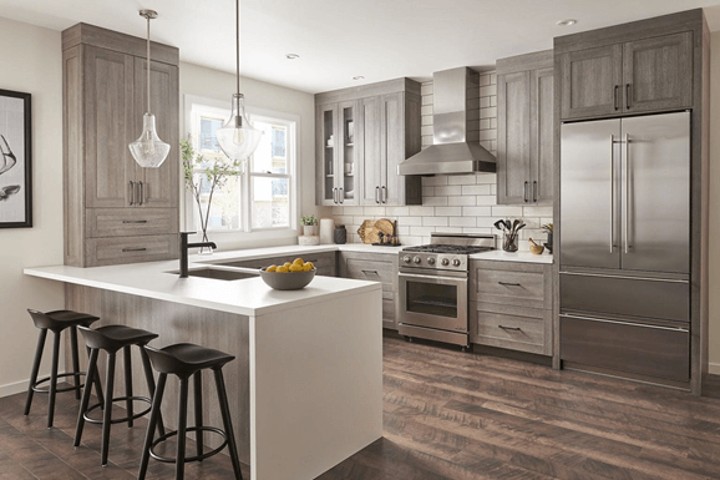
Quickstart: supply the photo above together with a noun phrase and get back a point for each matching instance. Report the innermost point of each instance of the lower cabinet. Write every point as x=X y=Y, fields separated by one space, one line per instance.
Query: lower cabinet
x=324 y=262
x=375 y=267
x=511 y=306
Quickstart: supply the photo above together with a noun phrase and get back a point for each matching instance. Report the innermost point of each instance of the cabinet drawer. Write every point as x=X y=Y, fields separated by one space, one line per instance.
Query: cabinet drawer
x=522 y=329
x=616 y=347
x=109 y=251
x=622 y=296
x=371 y=270
x=522 y=287
x=116 y=222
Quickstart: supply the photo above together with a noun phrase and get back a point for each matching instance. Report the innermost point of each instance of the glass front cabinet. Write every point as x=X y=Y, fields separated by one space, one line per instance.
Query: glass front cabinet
x=337 y=140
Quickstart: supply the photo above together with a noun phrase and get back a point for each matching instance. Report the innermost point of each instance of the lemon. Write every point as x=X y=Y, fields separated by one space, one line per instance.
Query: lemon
x=287 y=264
x=310 y=267
x=296 y=267
x=299 y=261
x=271 y=268
x=282 y=269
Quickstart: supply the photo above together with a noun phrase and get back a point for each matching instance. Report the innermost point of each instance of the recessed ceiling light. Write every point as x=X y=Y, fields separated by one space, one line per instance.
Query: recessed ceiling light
x=358 y=77
x=292 y=56
x=567 y=22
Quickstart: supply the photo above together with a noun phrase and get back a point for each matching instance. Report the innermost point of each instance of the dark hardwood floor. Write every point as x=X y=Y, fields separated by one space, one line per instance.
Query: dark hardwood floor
x=448 y=415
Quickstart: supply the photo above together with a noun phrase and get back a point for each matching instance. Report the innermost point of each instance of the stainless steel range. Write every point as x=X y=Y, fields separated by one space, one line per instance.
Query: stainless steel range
x=433 y=287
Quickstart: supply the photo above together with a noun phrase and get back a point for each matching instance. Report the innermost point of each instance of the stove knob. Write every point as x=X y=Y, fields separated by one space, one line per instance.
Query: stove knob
x=407 y=259
x=445 y=262
x=416 y=260
x=456 y=262
x=431 y=261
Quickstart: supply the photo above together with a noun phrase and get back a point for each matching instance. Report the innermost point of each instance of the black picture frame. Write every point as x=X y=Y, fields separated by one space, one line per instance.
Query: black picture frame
x=15 y=159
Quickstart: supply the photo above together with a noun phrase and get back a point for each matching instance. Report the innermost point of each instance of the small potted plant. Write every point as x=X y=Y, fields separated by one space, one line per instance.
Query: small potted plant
x=309 y=224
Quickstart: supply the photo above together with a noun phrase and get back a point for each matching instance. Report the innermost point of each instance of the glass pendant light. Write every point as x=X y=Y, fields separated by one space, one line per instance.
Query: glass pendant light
x=237 y=137
x=148 y=150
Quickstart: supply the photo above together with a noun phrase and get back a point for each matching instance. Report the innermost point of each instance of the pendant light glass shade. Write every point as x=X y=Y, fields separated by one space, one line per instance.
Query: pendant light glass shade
x=237 y=137
x=148 y=150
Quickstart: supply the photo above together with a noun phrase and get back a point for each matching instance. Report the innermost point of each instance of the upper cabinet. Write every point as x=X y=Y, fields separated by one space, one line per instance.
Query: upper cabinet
x=647 y=75
x=116 y=211
x=525 y=129
x=362 y=135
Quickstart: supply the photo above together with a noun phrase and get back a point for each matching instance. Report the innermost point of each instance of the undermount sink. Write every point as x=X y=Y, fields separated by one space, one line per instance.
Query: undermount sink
x=220 y=274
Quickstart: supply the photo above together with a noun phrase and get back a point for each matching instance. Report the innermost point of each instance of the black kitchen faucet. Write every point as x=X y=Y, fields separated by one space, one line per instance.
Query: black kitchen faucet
x=184 y=246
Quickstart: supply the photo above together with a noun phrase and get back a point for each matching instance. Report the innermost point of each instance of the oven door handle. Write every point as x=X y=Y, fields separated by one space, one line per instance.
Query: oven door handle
x=434 y=278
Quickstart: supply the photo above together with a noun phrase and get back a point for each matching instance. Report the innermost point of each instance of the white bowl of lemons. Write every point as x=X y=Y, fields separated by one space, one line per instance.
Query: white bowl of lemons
x=289 y=276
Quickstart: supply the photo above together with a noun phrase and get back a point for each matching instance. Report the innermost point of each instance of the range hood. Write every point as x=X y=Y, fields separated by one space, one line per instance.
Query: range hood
x=456 y=121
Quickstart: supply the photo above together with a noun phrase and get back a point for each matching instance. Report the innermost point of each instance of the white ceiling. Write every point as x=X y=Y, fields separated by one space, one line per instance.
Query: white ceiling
x=339 y=39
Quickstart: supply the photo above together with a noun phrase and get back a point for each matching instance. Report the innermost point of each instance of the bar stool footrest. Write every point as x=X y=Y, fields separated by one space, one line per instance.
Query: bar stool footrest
x=194 y=458
x=37 y=389
x=113 y=421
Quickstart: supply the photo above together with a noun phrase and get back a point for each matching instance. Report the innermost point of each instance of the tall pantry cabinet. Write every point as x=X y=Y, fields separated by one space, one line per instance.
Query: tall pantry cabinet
x=116 y=211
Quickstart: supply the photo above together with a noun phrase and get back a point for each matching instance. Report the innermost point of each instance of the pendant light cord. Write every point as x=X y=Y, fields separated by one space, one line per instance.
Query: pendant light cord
x=237 y=45
x=148 y=64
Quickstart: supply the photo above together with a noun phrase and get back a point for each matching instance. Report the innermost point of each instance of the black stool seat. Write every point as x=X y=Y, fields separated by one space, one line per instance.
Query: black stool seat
x=186 y=360
x=111 y=339
x=56 y=321
x=114 y=337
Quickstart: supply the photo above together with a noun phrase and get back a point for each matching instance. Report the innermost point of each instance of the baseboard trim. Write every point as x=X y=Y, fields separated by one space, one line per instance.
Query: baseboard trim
x=714 y=368
x=13 y=388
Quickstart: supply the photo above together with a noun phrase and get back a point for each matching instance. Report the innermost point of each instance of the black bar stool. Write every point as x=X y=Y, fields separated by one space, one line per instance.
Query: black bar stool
x=185 y=360
x=111 y=339
x=57 y=321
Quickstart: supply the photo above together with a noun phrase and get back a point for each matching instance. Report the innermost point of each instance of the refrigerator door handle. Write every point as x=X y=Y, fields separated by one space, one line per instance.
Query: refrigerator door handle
x=626 y=202
x=612 y=192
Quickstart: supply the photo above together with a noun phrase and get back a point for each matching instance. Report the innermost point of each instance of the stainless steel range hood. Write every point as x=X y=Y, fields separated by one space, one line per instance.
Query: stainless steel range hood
x=456 y=120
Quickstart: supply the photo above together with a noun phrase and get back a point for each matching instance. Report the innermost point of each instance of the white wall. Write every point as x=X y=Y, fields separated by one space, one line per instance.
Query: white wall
x=204 y=82
x=30 y=61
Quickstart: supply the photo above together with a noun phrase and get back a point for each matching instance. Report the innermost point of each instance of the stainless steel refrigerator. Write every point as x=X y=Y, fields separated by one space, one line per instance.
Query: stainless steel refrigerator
x=625 y=247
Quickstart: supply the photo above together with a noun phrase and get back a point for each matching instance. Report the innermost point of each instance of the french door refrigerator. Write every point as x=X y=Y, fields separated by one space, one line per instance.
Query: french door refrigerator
x=625 y=247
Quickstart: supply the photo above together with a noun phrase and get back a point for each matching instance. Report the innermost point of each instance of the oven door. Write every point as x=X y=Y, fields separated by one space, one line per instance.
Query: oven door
x=434 y=301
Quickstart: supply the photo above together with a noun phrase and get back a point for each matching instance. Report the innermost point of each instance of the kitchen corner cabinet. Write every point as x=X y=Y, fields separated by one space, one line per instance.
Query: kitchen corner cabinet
x=116 y=211
x=375 y=267
x=525 y=129
x=647 y=75
x=362 y=134
x=511 y=306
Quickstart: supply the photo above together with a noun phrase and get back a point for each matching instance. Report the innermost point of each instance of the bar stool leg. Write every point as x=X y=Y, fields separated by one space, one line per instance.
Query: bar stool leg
x=107 y=413
x=75 y=361
x=128 y=385
x=35 y=369
x=151 y=385
x=182 y=430
x=197 y=390
x=96 y=382
x=152 y=423
x=53 y=379
x=87 y=391
x=227 y=422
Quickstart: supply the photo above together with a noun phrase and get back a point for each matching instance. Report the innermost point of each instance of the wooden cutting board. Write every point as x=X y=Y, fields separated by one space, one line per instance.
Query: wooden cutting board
x=369 y=231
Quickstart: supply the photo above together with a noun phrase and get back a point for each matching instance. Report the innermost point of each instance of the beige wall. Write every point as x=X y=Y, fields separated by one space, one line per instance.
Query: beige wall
x=30 y=61
x=715 y=205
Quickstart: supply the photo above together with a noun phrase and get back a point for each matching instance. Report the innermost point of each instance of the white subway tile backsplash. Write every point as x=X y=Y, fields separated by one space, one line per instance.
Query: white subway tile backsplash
x=454 y=203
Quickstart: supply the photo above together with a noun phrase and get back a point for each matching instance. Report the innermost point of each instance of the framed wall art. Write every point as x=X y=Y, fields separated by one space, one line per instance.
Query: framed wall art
x=15 y=160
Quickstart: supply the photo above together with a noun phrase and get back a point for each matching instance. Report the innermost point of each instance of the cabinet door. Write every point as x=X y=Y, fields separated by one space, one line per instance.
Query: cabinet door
x=658 y=73
x=392 y=148
x=591 y=82
x=347 y=176
x=108 y=106
x=160 y=186
x=326 y=156
x=542 y=135
x=513 y=151
x=371 y=163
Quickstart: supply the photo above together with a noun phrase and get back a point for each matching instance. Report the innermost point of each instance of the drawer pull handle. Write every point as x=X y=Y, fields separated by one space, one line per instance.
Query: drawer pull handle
x=134 y=221
x=510 y=284
x=137 y=249
x=514 y=329
x=374 y=272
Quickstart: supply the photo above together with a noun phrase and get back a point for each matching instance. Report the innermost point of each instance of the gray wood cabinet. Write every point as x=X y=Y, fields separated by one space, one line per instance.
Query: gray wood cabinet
x=525 y=129
x=645 y=75
x=375 y=267
x=385 y=131
x=115 y=211
x=511 y=305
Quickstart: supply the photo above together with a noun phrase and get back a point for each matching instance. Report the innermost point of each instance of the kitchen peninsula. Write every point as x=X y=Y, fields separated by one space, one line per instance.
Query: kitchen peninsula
x=306 y=385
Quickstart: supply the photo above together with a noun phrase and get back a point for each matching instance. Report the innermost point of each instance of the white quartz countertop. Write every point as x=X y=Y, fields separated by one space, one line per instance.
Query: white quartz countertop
x=501 y=256
x=249 y=296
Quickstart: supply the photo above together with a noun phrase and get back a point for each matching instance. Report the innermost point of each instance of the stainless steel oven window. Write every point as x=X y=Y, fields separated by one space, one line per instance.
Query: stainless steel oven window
x=432 y=299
